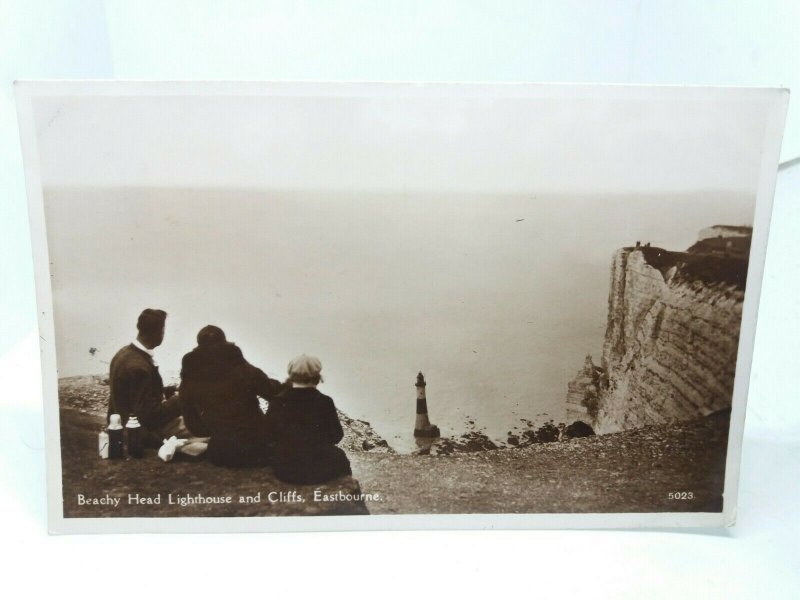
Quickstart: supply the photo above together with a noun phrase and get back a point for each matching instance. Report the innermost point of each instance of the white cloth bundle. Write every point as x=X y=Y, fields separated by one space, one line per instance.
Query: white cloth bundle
x=170 y=447
x=191 y=447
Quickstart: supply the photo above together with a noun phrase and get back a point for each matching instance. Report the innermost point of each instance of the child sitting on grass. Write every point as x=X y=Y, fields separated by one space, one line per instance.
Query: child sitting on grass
x=303 y=427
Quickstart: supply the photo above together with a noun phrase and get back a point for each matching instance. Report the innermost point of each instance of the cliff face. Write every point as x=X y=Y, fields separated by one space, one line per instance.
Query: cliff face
x=670 y=346
x=583 y=393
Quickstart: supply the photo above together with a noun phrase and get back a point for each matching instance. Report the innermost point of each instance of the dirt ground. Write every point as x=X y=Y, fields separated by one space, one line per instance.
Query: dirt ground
x=633 y=471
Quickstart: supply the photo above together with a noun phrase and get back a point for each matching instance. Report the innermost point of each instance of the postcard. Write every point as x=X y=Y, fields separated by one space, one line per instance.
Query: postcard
x=395 y=306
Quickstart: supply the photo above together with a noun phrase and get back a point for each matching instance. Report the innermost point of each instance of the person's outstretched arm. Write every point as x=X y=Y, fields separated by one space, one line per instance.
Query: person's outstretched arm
x=265 y=387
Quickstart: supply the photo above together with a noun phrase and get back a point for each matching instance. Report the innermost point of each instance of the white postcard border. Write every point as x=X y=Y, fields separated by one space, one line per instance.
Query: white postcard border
x=777 y=101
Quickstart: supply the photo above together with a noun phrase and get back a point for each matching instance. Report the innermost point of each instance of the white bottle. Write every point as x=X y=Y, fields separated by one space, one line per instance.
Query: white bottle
x=115 y=439
x=102 y=444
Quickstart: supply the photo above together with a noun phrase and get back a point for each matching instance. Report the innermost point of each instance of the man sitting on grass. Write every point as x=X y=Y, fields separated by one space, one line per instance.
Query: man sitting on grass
x=137 y=387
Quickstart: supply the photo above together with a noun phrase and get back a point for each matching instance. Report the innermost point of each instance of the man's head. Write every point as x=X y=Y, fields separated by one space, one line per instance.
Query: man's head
x=151 y=327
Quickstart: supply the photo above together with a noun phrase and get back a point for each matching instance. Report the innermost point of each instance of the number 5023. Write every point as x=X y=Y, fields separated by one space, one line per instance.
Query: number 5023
x=680 y=495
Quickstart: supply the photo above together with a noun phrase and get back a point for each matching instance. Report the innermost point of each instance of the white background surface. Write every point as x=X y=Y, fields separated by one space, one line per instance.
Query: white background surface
x=740 y=43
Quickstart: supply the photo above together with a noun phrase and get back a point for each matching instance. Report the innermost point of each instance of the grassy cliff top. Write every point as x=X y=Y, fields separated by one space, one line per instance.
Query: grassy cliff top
x=692 y=267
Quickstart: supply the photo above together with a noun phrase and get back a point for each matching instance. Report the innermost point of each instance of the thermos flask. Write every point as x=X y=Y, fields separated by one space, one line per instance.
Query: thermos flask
x=115 y=437
x=135 y=447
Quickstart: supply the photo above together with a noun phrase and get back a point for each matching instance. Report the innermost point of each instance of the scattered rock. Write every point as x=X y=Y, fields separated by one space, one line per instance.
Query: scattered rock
x=578 y=429
x=473 y=441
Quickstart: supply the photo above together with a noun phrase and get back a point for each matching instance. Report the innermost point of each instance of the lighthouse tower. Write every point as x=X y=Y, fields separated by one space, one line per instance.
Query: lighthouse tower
x=422 y=426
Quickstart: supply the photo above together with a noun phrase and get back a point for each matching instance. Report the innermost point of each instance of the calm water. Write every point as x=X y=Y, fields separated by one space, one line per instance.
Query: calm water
x=496 y=300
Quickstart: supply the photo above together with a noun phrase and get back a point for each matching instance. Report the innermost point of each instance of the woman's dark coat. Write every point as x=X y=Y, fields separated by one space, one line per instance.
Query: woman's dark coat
x=304 y=427
x=219 y=398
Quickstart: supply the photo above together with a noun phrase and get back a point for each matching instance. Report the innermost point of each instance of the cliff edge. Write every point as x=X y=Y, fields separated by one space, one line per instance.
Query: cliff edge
x=671 y=340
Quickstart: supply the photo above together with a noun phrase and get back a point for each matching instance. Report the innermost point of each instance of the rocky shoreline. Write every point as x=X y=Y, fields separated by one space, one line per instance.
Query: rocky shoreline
x=477 y=441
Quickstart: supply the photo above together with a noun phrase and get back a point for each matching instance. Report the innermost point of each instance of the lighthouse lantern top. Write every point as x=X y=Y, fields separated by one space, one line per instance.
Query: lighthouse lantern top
x=420 y=379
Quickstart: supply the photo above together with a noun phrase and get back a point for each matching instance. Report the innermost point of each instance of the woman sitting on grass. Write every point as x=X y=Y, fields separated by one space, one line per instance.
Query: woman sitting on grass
x=303 y=427
x=219 y=398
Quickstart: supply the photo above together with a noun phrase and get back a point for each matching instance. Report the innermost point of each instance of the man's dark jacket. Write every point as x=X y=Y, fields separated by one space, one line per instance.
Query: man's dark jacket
x=137 y=389
x=304 y=427
x=219 y=398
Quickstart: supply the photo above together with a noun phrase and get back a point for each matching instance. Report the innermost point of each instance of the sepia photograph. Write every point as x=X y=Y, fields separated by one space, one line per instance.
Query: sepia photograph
x=371 y=301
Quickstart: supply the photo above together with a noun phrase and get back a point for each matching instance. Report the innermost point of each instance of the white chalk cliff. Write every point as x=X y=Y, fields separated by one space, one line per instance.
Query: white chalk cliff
x=670 y=345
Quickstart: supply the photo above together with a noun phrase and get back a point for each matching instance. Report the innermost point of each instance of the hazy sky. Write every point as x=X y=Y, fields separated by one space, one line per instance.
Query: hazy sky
x=656 y=141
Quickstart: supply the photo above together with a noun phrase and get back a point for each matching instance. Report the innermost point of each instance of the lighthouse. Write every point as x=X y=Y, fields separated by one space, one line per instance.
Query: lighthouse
x=422 y=426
